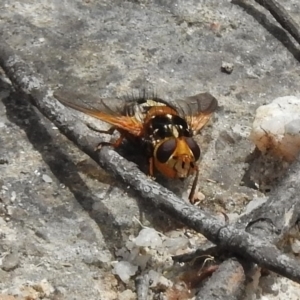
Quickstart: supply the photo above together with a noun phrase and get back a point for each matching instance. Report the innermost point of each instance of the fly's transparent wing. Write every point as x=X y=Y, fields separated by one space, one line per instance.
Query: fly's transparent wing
x=109 y=110
x=196 y=110
x=75 y=100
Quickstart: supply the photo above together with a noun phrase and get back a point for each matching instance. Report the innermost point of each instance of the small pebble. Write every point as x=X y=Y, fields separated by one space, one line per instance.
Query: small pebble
x=13 y=196
x=10 y=261
x=172 y=245
x=296 y=246
x=227 y=67
x=47 y=178
x=125 y=270
x=148 y=237
x=255 y=203
x=127 y=295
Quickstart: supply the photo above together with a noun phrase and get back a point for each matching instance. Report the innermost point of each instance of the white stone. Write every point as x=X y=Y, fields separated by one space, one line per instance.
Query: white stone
x=13 y=196
x=124 y=270
x=255 y=203
x=296 y=246
x=148 y=237
x=276 y=128
x=47 y=178
x=173 y=244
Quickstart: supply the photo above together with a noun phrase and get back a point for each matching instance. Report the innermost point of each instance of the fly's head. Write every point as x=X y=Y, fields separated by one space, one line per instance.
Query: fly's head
x=176 y=157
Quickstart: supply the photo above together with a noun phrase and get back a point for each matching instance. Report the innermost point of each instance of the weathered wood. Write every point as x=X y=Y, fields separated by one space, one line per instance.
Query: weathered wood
x=229 y=288
x=142 y=286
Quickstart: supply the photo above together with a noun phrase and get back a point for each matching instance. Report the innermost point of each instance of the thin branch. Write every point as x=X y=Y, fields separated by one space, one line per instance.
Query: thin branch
x=282 y=17
x=142 y=286
x=230 y=238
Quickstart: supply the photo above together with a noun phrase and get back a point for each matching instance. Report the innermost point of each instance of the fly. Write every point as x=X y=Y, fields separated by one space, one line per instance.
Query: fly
x=165 y=128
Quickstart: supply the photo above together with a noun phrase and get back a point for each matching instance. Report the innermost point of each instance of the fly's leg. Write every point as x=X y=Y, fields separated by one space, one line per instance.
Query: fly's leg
x=110 y=131
x=115 y=144
x=151 y=168
x=192 y=196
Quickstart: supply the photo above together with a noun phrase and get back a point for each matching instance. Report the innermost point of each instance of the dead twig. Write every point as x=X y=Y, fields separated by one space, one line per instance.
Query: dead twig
x=227 y=237
x=279 y=13
x=282 y=17
x=229 y=288
x=208 y=249
x=142 y=286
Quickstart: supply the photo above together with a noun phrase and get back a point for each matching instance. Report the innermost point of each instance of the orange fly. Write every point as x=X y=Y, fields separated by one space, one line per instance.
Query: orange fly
x=165 y=128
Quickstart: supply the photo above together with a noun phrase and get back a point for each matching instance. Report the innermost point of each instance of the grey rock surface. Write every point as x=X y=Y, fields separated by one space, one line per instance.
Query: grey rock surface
x=61 y=216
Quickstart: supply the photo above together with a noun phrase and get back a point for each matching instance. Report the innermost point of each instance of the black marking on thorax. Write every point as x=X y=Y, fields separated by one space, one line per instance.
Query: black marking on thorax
x=161 y=127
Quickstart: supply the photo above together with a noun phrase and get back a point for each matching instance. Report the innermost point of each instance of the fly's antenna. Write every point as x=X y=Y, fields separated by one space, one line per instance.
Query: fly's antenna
x=144 y=93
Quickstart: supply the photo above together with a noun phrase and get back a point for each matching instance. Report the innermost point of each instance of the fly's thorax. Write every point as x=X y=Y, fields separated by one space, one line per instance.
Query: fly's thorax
x=167 y=125
x=176 y=157
x=141 y=107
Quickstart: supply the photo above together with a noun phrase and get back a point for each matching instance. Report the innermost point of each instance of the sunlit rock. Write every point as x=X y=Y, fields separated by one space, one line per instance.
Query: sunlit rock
x=125 y=270
x=148 y=237
x=276 y=128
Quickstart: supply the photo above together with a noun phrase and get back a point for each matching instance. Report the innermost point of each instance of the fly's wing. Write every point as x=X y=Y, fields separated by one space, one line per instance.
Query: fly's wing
x=109 y=110
x=196 y=110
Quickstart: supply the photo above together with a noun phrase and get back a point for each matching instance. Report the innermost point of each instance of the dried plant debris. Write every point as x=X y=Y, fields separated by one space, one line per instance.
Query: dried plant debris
x=148 y=258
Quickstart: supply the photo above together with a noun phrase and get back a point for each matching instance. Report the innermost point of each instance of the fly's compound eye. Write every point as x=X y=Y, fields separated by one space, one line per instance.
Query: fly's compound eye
x=194 y=147
x=165 y=150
